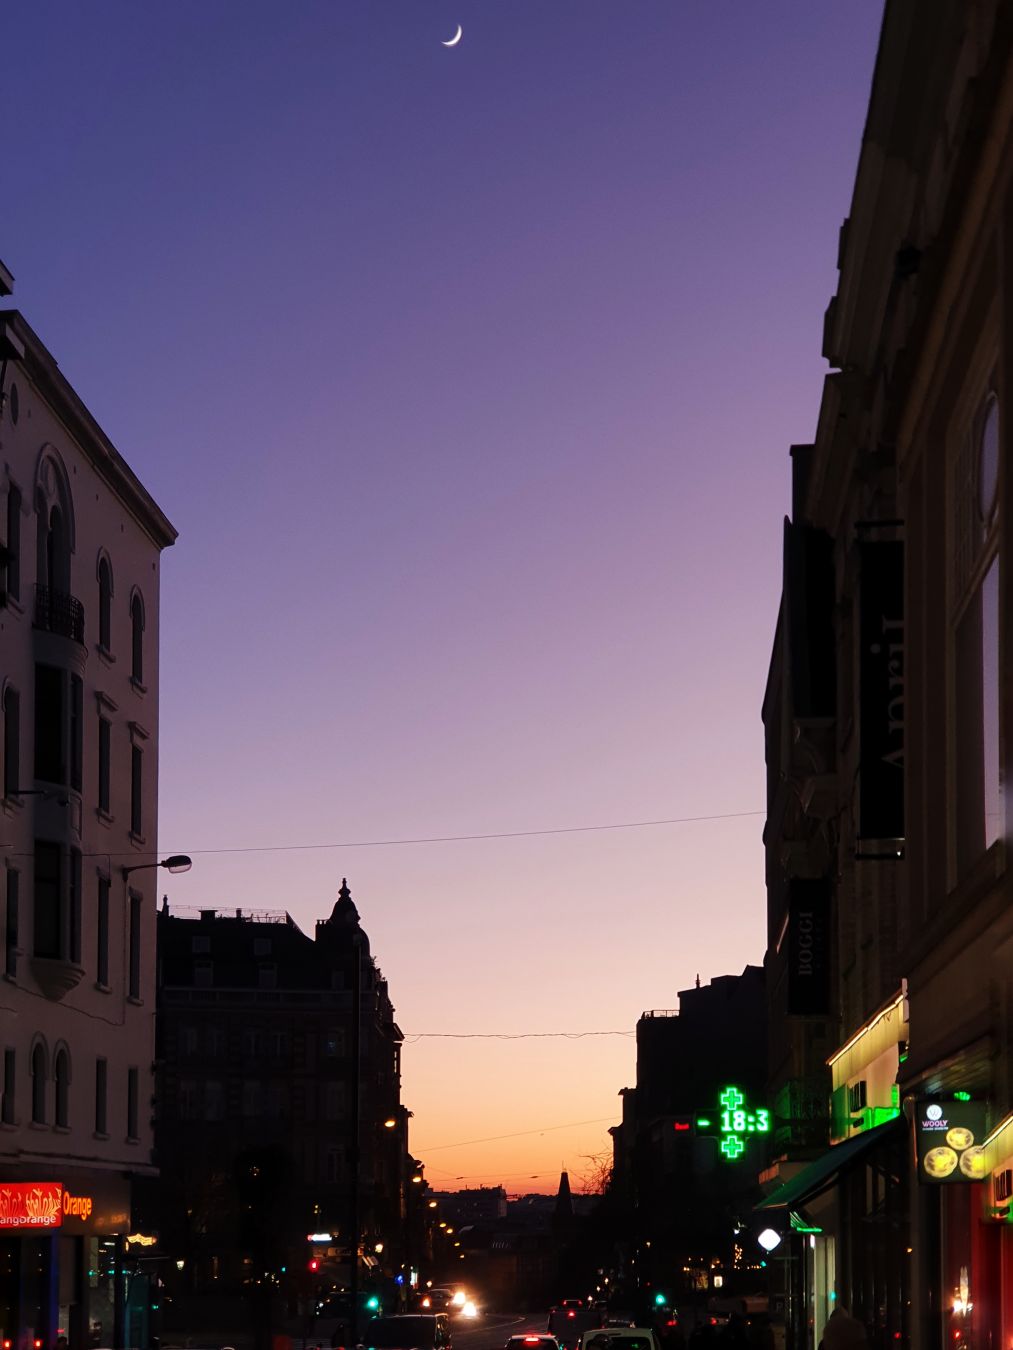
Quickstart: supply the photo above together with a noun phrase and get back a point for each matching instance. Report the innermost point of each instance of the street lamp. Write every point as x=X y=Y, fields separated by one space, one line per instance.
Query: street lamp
x=389 y=1123
x=175 y=863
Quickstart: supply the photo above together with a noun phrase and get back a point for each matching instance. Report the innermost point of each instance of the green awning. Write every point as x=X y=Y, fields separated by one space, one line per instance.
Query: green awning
x=823 y=1171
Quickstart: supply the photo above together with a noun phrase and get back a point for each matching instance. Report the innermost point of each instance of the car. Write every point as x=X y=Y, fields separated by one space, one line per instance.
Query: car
x=408 y=1331
x=532 y=1341
x=620 y=1338
x=437 y=1300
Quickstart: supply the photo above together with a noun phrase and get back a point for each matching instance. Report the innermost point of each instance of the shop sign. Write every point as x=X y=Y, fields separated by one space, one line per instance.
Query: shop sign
x=808 y=948
x=881 y=696
x=50 y=1204
x=31 y=1204
x=949 y=1138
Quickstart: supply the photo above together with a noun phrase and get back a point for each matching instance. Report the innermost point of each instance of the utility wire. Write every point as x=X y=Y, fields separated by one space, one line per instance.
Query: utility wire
x=433 y=839
x=412 y=1037
x=493 y=1138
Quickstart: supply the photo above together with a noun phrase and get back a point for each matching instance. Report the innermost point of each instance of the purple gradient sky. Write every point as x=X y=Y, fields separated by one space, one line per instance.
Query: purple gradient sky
x=468 y=378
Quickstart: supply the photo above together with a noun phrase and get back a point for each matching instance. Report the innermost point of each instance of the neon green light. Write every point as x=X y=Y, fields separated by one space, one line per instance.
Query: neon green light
x=961 y=1096
x=732 y=1146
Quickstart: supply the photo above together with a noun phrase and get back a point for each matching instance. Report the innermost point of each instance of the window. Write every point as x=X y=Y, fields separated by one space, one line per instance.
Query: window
x=39 y=1084
x=74 y=906
x=104 y=745
x=105 y=604
x=11 y=925
x=334 y=1101
x=101 y=1094
x=277 y=1100
x=253 y=1043
x=214 y=1040
x=102 y=933
x=267 y=976
x=262 y=946
x=9 y=1100
x=13 y=542
x=186 y=1101
x=278 y=1044
x=134 y=986
x=979 y=788
x=48 y=925
x=253 y=1098
x=136 y=767
x=132 y=1131
x=214 y=1099
x=76 y=732
x=188 y=1041
x=137 y=639
x=203 y=974
x=200 y=946
x=334 y=1043
x=61 y=1072
x=50 y=761
x=335 y=1164
x=12 y=740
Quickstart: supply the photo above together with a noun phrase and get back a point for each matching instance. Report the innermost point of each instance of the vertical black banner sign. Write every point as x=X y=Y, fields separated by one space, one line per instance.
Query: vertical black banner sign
x=808 y=948
x=881 y=692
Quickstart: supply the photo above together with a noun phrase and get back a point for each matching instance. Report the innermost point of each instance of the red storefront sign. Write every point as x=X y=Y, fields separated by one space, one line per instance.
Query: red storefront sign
x=31 y=1204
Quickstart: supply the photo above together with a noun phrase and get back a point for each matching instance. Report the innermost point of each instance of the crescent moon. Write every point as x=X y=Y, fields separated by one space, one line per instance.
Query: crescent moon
x=456 y=38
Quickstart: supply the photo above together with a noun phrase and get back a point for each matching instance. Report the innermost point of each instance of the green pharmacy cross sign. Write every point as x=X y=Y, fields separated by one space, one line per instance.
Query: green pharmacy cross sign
x=735 y=1120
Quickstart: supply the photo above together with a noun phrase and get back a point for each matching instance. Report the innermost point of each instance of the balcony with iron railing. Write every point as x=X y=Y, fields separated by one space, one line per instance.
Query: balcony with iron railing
x=59 y=613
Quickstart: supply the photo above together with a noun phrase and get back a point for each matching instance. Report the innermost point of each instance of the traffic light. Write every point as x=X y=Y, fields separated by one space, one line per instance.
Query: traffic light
x=373 y=1303
x=313 y=1264
x=660 y=1300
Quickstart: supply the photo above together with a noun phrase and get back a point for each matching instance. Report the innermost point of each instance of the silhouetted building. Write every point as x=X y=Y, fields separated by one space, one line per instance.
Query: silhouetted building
x=888 y=717
x=273 y=1101
x=679 y=1183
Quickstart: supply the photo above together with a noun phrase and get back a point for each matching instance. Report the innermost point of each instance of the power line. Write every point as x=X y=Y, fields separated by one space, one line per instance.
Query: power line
x=412 y=1037
x=437 y=838
x=517 y=1134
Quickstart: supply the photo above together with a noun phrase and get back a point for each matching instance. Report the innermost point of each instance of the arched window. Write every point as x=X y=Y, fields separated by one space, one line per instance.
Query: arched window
x=105 y=604
x=61 y=1072
x=137 y=639
x=39 y=1084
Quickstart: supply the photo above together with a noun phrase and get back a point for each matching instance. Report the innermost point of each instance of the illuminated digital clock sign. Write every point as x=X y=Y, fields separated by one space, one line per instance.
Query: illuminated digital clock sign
x=734 y=1121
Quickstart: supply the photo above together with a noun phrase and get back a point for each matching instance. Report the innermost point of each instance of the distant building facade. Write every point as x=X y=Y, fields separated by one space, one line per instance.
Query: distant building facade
x=80 y=545
x=888 y=715
x=677 y=1186
x=279 y=1112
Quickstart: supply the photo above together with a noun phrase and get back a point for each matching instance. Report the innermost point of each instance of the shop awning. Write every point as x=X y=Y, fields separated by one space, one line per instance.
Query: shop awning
x=823 y=1171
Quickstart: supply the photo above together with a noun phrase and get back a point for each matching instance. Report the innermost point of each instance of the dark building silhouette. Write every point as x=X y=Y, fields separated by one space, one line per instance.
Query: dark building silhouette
x=676 y=1191
x=273 y=1103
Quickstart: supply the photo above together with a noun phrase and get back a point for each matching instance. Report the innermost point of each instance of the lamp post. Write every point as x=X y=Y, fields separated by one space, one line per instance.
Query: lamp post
x=176 y=862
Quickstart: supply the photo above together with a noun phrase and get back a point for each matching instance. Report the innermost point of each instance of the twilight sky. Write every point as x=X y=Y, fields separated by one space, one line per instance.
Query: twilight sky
x=468 y=378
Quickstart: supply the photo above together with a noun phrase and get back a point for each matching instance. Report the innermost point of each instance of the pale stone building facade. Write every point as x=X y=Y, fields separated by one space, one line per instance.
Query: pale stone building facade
x=79 y=594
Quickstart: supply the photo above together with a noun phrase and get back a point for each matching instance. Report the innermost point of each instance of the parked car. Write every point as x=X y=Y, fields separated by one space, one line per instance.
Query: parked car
x=408 y=1331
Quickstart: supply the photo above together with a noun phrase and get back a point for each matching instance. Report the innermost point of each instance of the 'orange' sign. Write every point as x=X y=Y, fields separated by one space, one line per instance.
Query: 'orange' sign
x=40 y=1204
